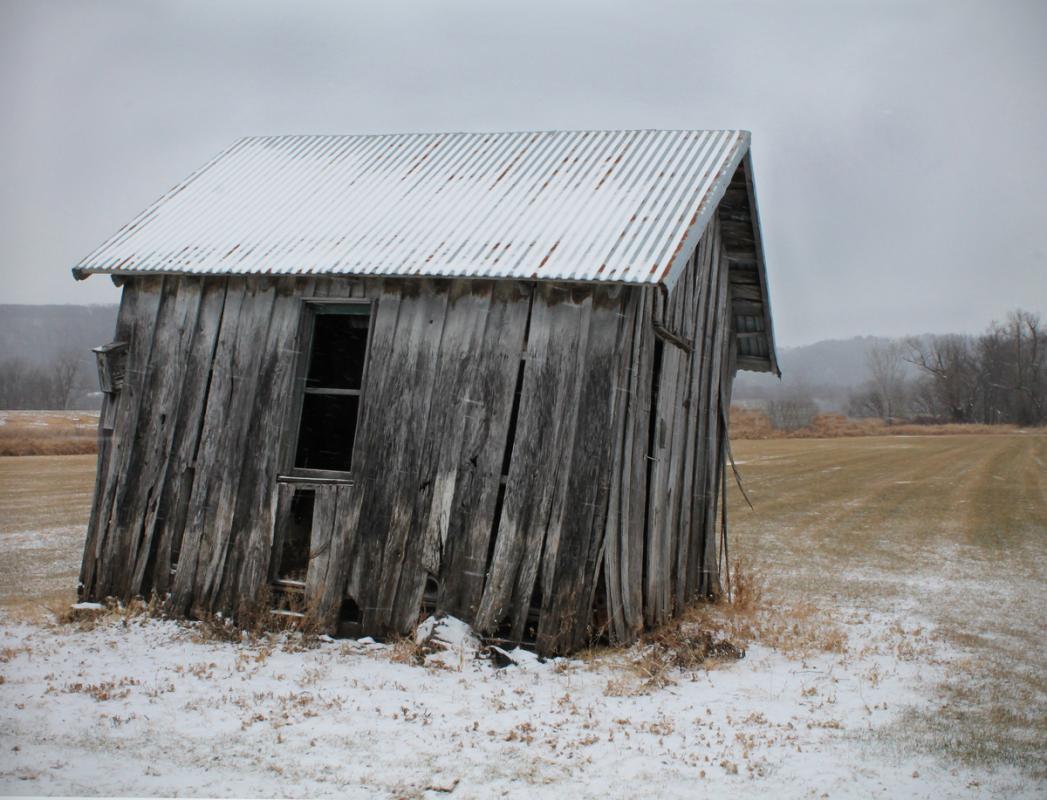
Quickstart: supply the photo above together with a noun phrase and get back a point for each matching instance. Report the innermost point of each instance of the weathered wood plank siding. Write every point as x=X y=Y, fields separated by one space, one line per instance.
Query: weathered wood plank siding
x=536 y=454
x=661 y=534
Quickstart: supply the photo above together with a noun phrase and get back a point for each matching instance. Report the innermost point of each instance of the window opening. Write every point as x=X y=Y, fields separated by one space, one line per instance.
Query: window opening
x=332 y=386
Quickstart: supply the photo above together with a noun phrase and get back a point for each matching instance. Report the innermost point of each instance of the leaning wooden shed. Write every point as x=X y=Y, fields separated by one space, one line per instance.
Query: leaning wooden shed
x=485 y=374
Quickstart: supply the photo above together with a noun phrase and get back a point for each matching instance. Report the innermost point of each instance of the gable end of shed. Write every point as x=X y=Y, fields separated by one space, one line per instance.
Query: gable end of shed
x=749 y=293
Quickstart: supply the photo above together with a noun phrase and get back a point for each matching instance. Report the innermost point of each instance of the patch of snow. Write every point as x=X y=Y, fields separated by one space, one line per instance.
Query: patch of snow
x=453 y=640
x=143 y=708
x=447 y=632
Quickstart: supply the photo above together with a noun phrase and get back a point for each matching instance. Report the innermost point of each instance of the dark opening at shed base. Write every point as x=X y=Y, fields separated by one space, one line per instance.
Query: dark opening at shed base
x=349 y=619
x=294 y=554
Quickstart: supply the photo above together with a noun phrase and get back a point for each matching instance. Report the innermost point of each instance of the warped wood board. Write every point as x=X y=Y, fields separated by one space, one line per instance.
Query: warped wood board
x=175 y=326
x=615 y=563
x=166 y=522
x=109 y=559
x=572 y=563
x=97 y=524
x=464 y=525
x=250 y=541
x=544 y=428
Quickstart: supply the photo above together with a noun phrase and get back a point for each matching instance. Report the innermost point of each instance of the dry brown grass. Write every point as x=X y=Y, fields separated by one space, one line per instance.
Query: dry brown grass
x=797 y=627
x=708 y=635
x=86 y=619
x=751 y=424
x=44 y=503
x=48 y=433
x=256 y=622
x=405 y=650
x=258 y=618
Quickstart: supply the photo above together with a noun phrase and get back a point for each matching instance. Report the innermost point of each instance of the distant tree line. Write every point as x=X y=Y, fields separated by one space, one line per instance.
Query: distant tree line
x=793 y=408
x=997 y=377
x=63 y=382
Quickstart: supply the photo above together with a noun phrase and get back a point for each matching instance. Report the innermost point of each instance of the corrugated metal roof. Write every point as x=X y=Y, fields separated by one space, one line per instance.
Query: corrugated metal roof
x=616 y=206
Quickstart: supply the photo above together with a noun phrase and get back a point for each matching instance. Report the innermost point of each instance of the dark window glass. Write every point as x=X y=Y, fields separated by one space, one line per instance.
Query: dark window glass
x=339 y=347
x=334 y=379
x=327 y=431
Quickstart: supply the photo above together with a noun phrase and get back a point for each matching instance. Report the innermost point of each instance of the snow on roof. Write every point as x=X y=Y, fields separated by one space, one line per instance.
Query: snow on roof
x=607 y=206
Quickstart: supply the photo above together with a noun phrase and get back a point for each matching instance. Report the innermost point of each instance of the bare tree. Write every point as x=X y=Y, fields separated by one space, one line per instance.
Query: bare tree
x=65 y=377
x=13 y=374
x=53 y=385
x=792 y=409
x=1015 y=361
x=866 y=401
x=23 y=386
x=887 y=376
x=1000 y=376
x=951 y=365
x=992 y=378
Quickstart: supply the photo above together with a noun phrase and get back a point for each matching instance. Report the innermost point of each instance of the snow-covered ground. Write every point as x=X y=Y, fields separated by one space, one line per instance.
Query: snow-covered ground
x=139 y=706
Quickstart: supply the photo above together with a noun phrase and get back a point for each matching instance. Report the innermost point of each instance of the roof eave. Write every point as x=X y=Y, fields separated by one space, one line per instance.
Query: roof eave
x=761 y=265
x=704 y=214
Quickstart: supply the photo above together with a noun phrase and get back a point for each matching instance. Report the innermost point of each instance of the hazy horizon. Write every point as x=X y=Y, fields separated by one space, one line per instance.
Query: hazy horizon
x=897 y=147
x=780 y=345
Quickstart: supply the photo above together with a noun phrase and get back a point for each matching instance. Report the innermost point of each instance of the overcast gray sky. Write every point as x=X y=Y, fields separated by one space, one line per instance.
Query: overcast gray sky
x=900 y=148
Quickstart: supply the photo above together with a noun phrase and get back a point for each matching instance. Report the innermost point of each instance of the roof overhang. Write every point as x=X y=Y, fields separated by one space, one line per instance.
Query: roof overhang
x=620 y=207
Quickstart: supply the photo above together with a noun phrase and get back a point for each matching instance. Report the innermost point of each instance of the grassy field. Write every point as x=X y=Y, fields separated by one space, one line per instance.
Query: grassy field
x=44 y=505
x=48 y=433
x=946 y=532
x=747 y=423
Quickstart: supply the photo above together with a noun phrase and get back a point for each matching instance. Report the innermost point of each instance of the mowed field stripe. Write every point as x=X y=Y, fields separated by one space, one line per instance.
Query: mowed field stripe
x=941 y=531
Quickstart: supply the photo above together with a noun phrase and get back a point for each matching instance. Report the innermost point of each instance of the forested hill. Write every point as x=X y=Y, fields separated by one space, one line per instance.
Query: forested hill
x=45 y=355
x=38 y=334
x=839 y=363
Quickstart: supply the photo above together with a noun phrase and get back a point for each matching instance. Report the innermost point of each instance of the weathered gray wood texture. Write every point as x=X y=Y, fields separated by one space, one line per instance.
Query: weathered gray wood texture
x=661 y=549
x=590 y=509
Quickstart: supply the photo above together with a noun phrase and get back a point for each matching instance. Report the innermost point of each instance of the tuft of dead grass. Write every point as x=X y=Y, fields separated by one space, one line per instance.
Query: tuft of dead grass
x=405 y=650
x=711 y=633
x=112 y=610
x=745 y=588
x=259 y=617
x=751 y=615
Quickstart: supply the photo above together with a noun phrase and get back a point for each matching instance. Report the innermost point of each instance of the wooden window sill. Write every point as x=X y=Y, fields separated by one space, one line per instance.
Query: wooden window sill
x=331 y=478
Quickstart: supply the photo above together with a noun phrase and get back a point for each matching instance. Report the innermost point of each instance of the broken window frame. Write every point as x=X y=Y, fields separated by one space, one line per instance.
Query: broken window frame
x=311 y=309
x=278 y=569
